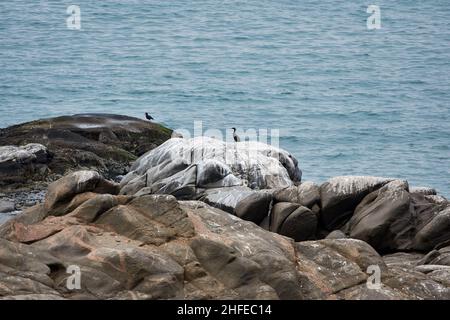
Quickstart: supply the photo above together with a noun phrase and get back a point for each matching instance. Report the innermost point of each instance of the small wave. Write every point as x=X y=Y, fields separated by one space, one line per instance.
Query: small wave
x=335 y=156
x=366 y=113
x=417 y=81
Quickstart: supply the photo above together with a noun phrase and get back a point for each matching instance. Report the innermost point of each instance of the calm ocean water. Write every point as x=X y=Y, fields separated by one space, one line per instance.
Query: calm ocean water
x=347 y=100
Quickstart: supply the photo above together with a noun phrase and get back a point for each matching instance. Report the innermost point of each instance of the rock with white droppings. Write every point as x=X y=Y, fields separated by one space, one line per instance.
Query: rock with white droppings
x=426 y=191
x=20 y=163
x=437 y=199
x=24 y=154
x=204 y=163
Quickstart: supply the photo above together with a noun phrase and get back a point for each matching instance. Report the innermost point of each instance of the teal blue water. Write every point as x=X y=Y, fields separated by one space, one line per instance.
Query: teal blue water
x=347 y=100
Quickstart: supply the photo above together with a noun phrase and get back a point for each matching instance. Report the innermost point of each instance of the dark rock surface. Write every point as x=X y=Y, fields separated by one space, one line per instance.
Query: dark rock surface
x=34 y=154
x=307 y=194
x=340 y=195
x=392 y=219
x=107 y=143
x=254 y=207
x=19 y=164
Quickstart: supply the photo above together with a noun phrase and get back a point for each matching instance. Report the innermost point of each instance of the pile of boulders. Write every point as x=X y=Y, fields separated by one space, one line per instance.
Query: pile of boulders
x=152 y=246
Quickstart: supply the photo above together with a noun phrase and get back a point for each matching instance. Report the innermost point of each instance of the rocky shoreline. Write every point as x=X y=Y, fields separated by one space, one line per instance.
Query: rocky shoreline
x=34 y=154
x=204 y=219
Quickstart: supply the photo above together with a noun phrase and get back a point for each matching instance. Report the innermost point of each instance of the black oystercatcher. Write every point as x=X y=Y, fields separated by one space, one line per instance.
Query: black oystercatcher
x=148 y=117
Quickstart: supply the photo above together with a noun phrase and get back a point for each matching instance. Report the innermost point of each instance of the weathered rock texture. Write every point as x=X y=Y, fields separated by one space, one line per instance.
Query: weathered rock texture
x=265 y=188
x=105 y=142
x=19 y=164
x=204 y=219
x=186 y=168
x=149 y=246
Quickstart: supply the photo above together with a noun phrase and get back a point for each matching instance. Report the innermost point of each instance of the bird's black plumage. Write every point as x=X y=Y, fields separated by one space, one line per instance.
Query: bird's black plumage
x=148 y=117
x=235 y=136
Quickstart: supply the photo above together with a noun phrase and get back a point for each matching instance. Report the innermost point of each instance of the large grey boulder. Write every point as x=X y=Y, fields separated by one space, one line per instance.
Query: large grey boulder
x=339 y=197
x=392 y=219
x=63 y=191
x=187 y=167
x=384 y=219
x=435 y=232
x=279 y=214
x=254 y=207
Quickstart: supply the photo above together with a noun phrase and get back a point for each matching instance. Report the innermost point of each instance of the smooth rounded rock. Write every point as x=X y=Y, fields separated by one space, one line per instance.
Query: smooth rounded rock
x=300 y=225
x=202 y=163
x=255 y=207
x=339 y=197
x=279 y=214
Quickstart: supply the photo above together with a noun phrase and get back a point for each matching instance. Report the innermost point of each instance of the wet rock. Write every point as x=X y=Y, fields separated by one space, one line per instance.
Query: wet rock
x=279 y=214
x=384 y=219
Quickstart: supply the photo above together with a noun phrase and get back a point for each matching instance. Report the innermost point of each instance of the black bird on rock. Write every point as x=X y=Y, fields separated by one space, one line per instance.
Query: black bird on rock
x=148 y=117
x=235 y=136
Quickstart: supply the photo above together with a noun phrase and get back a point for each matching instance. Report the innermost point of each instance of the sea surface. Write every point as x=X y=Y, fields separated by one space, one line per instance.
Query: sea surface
x=347 y=100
